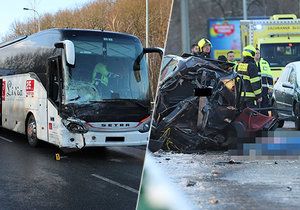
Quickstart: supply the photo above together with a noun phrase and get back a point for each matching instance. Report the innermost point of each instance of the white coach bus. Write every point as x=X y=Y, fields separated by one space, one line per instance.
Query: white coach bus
x=76 y=88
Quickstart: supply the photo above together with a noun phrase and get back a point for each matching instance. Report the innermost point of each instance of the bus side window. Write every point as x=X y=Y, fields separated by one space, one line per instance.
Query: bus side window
x=54 y=79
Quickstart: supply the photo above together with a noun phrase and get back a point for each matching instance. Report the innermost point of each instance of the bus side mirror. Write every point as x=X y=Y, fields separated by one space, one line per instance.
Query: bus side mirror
x=69 y=48
x=158 y=50
x=137 y=62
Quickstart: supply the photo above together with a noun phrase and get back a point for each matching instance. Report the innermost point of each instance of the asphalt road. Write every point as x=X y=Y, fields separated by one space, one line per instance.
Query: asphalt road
x=216 y=181
x=219 y=180
x=31 y=178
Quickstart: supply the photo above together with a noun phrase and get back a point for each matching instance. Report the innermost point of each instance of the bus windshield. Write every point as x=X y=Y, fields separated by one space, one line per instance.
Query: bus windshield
x=103 y=69
x=279 y=55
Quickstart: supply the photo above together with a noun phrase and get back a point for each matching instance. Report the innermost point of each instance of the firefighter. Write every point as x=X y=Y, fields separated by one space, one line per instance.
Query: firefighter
x=251 y=96
x=265 y=72
x=204 y=48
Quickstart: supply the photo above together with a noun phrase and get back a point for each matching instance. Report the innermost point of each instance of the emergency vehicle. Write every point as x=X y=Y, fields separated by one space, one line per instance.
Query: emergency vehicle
x=278 y=39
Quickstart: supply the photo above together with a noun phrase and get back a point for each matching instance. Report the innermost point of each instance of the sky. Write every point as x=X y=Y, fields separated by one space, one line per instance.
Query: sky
x=12 y=10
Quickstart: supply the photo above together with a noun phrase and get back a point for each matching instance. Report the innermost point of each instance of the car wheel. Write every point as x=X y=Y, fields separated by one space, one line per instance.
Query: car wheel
x=31 y=132
x=276 y=115
x=297 y=116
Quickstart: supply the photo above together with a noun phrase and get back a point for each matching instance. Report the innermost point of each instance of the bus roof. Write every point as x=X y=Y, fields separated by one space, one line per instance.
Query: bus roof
x=62 y=31
x=3 y=44
x=66 y=30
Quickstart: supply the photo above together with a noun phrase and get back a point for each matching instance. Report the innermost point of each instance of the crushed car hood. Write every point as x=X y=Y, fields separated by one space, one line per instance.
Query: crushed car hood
x=197 y=121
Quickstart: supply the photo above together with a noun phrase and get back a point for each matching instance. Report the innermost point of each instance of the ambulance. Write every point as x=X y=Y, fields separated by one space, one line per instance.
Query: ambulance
x=278 y=39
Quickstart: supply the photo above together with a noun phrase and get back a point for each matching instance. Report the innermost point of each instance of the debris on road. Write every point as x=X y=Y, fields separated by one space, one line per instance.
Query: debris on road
x=190 y=183
x=249 y=185
x=215 y=173
x=213 y=200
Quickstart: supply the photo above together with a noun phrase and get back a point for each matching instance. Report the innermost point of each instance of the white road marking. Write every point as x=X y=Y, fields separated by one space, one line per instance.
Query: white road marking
x=5 y=139
x=116 y=183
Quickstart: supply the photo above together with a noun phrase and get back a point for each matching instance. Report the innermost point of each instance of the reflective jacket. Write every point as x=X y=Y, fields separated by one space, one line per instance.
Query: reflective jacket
x=252 y=81
x=235 y=65
x=265 y=73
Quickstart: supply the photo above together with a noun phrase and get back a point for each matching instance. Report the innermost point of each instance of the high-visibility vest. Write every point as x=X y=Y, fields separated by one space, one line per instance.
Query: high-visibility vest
x=235 y=65
x=265 y=73
x=252 y=83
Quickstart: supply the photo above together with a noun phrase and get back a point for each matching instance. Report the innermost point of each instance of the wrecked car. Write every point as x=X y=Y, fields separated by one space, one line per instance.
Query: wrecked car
x=198 y=106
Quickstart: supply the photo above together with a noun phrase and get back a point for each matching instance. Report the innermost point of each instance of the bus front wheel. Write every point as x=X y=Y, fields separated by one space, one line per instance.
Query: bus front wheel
x=31 y=131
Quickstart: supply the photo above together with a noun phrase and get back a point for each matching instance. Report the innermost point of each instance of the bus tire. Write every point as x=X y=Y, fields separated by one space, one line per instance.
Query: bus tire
x=31 y=131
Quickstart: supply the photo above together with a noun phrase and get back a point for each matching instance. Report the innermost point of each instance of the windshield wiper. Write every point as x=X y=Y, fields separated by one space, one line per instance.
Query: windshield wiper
x=96 y=101
x=75 y=99
x=134 y=101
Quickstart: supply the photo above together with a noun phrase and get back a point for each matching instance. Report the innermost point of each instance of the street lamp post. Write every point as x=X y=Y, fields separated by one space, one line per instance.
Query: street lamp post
x=147 y=23
x=245 y=16
x=39 y=23
x=185 y=28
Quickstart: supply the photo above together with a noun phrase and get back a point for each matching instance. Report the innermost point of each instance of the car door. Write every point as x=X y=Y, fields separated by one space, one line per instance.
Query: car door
x=279 y=90
x=289 y=91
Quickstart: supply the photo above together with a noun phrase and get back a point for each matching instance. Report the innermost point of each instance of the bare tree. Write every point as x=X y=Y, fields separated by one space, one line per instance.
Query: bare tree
x=119 y=15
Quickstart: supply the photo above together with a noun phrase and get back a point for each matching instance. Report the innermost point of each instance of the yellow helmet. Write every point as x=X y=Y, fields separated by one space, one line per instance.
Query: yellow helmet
x=249 y=50
x=203 y=42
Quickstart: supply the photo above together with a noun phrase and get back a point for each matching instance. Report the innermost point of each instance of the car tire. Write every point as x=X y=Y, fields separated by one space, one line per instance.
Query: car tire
x=297 y=116
x=280 y=123
x=275 y=115
x=235 y=133
x=31 y=131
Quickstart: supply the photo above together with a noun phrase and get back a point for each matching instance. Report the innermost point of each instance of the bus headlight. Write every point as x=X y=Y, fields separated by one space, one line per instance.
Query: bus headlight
x=145 y=125
x=75 y=125
x=145 y=128
x=76 y=128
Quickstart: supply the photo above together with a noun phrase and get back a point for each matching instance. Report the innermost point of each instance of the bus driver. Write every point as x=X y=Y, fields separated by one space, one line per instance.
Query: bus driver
x=101 y=77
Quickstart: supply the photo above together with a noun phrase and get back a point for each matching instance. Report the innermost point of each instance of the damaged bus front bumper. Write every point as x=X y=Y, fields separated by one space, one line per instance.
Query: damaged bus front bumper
x=78 y=134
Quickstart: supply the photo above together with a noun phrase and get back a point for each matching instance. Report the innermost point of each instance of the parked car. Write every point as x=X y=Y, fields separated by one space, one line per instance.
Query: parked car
x=286 y=94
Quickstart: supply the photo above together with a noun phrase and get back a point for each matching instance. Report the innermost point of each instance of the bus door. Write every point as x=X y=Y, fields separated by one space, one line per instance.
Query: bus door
x=54 y=97
x=55 y=80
